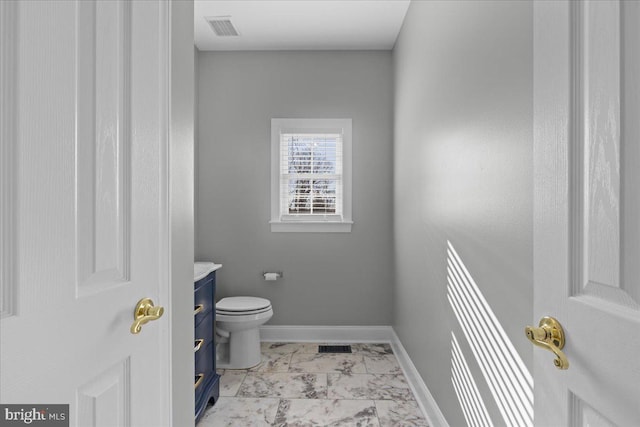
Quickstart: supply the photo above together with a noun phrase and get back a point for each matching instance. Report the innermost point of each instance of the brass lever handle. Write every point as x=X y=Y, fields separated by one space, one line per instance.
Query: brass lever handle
x=550 y=335
x=198 y=380
x=145 y=312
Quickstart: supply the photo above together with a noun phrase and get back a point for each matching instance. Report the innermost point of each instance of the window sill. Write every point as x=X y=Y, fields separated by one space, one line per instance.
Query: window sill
x=311 y=226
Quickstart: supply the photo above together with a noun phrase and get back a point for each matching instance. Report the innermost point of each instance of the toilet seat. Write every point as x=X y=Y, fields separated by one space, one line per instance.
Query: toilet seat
x=242 y=306
x=242 y=313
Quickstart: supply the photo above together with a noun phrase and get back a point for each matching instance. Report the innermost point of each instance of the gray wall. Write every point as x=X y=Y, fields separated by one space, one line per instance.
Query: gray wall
x=329 y=278
x=462 y=173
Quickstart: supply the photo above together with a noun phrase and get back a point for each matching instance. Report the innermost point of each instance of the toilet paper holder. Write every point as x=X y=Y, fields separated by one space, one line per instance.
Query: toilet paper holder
x=272 y=275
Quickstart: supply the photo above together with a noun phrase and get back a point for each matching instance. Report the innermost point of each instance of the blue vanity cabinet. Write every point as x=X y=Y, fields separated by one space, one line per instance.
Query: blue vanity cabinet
x=206 y=381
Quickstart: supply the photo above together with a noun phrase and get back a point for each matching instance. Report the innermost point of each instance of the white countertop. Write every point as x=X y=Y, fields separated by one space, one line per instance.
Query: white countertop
x=202 y=269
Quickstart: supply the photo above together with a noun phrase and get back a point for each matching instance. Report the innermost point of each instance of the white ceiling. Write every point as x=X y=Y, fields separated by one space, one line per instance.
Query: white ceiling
x=301 y=24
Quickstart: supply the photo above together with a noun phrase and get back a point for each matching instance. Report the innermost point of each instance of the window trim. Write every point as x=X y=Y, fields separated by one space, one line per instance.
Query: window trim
x=311 y=223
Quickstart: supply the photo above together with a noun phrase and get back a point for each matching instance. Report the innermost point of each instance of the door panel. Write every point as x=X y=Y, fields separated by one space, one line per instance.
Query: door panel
x=586 y=240
x=598 y=38
x=8 y=155
x=584 y=415
x=105 y=400
x=630 y=152
x=103 y=161
x=597 y=78
x=90 y=195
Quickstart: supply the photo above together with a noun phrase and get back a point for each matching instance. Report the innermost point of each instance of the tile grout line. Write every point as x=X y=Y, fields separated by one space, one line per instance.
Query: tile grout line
x=375 y=405
x=290 y=362
x=241 y=382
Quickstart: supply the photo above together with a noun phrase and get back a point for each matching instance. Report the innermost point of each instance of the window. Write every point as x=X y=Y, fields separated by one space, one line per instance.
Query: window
x=311 y=175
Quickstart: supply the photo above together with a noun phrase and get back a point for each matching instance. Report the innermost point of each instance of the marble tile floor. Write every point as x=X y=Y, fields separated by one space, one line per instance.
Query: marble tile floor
x=297 y=386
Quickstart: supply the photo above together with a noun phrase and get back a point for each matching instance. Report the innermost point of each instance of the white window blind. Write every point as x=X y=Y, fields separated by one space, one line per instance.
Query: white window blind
x=311 y=174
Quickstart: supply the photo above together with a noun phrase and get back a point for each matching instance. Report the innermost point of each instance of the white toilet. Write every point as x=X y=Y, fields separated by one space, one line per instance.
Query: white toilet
x=237 y=334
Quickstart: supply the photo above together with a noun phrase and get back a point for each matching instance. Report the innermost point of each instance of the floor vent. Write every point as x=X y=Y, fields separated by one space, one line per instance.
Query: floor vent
x=334 y=349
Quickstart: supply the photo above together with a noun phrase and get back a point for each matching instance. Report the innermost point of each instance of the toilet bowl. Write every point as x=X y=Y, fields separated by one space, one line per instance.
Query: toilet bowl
x=237 y=333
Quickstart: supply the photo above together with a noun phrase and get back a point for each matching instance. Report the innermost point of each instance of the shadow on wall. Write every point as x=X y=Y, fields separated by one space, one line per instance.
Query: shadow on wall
x=507 y=377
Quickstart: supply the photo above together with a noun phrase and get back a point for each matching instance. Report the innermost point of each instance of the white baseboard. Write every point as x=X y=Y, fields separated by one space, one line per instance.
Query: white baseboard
x=333 y=334
x=360 y=334
x=422 y=394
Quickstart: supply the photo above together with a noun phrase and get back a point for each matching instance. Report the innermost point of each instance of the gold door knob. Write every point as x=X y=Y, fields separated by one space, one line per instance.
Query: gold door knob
x=550 y=335
x=145 y=312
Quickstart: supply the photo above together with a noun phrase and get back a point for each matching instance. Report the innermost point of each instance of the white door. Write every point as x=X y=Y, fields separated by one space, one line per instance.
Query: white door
x=84 y=235
x=587 y=209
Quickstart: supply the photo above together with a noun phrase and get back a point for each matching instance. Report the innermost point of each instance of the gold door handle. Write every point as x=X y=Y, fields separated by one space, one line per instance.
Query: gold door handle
x=550 y=335
x=145 y=312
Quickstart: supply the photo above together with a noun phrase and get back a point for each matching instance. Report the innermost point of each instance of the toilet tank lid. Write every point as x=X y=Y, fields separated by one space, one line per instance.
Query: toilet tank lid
x=242 y=303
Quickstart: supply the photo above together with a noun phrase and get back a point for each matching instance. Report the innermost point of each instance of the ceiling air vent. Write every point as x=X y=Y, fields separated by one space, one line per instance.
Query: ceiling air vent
x=222 y=26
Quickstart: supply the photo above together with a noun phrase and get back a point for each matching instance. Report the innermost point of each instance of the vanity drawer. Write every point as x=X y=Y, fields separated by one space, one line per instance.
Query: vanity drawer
x=203 y=299
x=204 y=358
x=204 y=345
x=199 y=383
x=204 y=329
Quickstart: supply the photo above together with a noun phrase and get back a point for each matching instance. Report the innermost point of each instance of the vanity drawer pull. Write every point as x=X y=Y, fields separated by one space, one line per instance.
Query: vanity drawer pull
x=198 y=308
x=198 y=379
x=198 y=344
